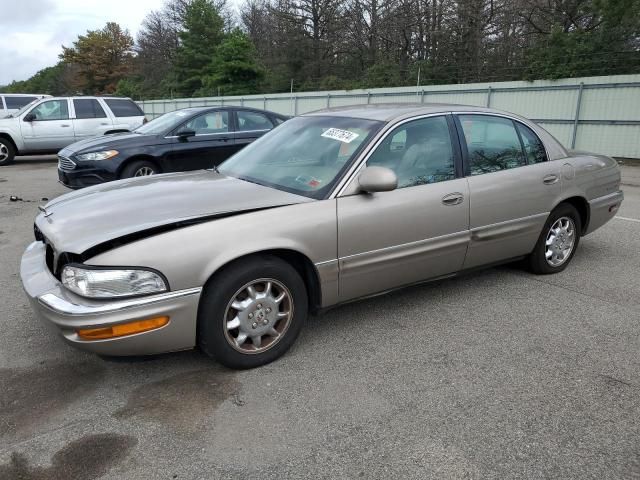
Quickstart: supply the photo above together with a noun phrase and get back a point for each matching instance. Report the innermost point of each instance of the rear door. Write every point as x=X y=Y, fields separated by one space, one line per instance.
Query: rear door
x=90 y=119
x=416 y=232
x=212 y=144
x=51 y=127
x=512 y=185
x=250 y=125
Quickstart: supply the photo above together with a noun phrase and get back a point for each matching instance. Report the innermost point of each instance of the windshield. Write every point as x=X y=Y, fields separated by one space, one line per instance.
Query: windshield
x=305 y=155
x=23 y=109
x=164 y=122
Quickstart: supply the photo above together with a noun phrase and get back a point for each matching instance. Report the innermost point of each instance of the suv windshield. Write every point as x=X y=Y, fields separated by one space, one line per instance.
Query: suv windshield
x=164 y=122
x=305 y=155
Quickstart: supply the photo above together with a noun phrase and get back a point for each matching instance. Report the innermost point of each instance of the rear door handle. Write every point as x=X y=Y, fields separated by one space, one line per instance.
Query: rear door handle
x=550 y=179
x=453 y=199
x=65 y=126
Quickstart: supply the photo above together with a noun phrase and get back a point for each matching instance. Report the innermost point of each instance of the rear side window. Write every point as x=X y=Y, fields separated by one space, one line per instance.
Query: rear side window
x=123 y=108
x=492 y=142
x=16 y=103
x=88 y=108
x=533 y=147
x=253 y=121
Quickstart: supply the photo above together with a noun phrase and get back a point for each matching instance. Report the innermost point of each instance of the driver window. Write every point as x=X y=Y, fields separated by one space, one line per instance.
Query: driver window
x=419 y=152
x=208 y=123
x=52 y=110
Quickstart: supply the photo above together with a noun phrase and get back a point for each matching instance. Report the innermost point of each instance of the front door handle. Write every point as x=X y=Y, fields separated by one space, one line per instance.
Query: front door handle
x=453 y=199
x=65 y=125
x=550 y=179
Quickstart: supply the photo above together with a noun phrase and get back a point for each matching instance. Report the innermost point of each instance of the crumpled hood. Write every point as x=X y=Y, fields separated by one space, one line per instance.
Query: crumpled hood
x=85 y=218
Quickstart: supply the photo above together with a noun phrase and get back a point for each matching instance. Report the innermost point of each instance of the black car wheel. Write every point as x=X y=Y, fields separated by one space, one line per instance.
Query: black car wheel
x=139 y=168
x=252 y=312
x=558 y=241
x=7 y=152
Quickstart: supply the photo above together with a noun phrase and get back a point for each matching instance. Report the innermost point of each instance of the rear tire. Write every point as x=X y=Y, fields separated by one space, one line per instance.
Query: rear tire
x=558 y=241
x=251 y=312
x=140 y=168
x=7 y=152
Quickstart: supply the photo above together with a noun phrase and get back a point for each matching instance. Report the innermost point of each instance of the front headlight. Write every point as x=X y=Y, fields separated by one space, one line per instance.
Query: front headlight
x=111 y=283
x=106 y=155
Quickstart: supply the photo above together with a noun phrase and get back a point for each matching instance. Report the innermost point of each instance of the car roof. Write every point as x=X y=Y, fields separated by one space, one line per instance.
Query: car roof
x=236 y=107
x=387 y=112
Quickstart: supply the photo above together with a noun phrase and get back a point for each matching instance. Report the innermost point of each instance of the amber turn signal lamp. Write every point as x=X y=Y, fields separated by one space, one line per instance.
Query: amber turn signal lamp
x=122 y=329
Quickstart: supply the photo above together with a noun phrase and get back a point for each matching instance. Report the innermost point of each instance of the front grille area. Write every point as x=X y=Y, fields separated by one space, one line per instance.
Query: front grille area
x=65 y=164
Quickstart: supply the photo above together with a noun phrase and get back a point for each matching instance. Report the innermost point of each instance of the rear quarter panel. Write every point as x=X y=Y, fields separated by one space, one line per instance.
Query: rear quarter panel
x=595 y=178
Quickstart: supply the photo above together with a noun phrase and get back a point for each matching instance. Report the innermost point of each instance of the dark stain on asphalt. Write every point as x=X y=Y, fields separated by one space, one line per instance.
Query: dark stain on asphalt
x=87 y=458
x=182 y=400
x=28 y=396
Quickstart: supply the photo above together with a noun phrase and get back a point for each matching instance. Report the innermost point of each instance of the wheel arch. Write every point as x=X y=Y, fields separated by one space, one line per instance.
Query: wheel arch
x=136 y=158
x=583 y=208
x=302 y=264
x=8 y=137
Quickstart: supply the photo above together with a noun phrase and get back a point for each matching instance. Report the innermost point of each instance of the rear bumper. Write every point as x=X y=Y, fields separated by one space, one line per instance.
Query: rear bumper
x=603 y=209
x=65 y=312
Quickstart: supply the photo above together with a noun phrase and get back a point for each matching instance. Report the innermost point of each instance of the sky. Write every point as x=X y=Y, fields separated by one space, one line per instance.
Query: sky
x=33 y=31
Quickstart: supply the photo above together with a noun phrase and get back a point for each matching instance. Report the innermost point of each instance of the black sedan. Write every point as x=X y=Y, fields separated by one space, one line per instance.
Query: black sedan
x=187 y=139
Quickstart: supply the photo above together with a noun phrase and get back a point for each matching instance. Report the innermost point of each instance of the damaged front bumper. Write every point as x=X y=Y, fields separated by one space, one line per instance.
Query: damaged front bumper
x=66 y=313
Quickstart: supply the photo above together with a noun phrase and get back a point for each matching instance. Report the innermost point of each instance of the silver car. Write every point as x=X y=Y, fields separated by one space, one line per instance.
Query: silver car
x=329 y=207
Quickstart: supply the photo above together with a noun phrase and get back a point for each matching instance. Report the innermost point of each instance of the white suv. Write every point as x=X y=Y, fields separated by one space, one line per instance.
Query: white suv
x=50 y=124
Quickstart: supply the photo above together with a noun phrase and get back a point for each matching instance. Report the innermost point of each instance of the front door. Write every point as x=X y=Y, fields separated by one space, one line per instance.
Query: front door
x=47 y=127
x=513 y=187
x=212 y=144
x=416 y=232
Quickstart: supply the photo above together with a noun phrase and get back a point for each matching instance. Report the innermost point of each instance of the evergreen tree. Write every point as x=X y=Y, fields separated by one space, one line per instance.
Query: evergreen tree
x=203 y=31
x=234 y=68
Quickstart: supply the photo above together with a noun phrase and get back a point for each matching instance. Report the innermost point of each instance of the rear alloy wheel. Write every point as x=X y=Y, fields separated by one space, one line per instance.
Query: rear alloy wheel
x=140 y=168
x=7 y=152
x=252 y=312
x=558 y=241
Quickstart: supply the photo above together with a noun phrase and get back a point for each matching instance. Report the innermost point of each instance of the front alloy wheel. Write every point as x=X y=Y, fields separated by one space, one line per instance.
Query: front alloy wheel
x=7 y=153
x=252 y=311
x=258 y=316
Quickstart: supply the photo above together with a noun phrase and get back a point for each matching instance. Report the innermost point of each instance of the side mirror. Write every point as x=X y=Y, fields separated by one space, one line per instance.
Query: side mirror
x=377 y=179
x=184 y=134
x=29 y=117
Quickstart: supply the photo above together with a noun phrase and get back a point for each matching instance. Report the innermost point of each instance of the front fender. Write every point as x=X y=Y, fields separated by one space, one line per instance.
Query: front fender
x=189 y=256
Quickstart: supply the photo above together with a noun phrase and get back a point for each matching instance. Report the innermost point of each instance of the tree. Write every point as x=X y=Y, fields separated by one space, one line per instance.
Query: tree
x=103 y=57
x=201 y=35
x=235 y=70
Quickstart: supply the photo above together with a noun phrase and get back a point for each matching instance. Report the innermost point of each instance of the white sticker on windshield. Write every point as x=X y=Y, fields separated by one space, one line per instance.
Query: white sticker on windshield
x=341 y=135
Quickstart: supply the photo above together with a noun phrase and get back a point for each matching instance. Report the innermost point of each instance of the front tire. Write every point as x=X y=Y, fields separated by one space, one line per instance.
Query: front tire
x=252 y=312
x=558 y=241
x=7 y=152
x=139 y=168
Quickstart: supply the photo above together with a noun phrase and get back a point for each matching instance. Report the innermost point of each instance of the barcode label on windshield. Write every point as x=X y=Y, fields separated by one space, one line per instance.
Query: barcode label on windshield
x=341 y=135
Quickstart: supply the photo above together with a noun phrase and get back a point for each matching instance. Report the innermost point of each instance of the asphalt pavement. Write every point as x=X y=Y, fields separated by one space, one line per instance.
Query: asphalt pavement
x=500 y=374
